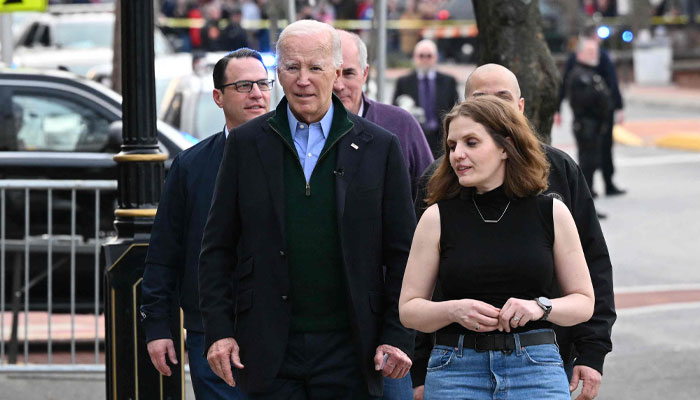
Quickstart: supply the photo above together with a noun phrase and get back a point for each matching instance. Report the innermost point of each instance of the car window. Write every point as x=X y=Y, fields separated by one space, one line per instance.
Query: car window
x=209 y=118
x=10 y=123
x=160 y=43
x=32 y=34
x=83 y=35
x=162 y=85
x=55 y=124
x=44 y=38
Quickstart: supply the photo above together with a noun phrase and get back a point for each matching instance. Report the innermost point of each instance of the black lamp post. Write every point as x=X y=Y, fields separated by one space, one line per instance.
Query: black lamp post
x=130 y=374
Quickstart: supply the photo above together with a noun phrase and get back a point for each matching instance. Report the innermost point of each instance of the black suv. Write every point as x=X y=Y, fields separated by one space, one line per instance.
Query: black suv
x=56 y=125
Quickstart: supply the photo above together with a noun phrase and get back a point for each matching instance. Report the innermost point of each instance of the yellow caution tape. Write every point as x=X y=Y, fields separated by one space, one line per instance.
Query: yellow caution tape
x=353 y=24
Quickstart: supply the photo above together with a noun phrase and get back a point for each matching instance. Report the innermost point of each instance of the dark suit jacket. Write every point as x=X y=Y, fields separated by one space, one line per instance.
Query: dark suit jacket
x=245 y=234
x=445 y=92
x=176 y=237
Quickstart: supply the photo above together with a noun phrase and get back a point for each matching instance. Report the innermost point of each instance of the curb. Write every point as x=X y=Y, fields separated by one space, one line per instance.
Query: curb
x=680 y=140
x=624 y=136
x=683 y=141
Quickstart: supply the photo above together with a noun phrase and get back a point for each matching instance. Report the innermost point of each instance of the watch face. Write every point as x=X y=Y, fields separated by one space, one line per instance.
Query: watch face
x=545 y=301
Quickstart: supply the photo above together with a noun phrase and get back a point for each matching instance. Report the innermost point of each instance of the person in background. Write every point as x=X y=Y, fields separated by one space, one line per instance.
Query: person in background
x=233 y=35
x=242 y=91
x=606 y=69
x=433 y=91
x=590 y=101
x=210 y=33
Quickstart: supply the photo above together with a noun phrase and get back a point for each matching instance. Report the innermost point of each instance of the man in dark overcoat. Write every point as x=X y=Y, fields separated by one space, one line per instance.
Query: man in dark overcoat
x=310 y=202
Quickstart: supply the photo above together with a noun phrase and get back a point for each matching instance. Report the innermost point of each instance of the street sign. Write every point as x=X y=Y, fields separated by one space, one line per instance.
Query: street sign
x=22 y=5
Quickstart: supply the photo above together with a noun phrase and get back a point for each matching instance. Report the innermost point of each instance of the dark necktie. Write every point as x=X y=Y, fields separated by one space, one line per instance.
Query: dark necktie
x=426 y=98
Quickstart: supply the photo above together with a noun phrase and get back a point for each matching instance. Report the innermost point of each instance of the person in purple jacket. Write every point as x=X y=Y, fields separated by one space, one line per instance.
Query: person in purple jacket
x=396 y=120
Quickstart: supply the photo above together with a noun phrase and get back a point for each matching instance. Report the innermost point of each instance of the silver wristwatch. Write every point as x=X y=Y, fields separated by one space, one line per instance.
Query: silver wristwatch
x=546 y=305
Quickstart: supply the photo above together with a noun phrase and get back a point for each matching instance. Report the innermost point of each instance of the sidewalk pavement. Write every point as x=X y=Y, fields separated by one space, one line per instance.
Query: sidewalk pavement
x=84 y=325
x=671 y=96
x=37 y=326
x=86 y=330
x=681 y=134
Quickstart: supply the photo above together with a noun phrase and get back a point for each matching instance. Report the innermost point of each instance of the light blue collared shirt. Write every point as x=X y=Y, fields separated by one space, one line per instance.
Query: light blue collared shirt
x=309 y=139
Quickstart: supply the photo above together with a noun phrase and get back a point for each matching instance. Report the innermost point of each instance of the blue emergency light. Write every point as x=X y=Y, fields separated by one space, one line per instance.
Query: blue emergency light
x=627 y=36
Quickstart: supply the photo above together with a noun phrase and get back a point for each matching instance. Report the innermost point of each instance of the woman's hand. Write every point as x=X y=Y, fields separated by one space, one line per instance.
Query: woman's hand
x=518 y=312
x=474 y=315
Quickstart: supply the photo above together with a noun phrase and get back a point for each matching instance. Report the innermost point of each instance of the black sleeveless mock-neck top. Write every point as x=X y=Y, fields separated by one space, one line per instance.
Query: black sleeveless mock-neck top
x=493 y=262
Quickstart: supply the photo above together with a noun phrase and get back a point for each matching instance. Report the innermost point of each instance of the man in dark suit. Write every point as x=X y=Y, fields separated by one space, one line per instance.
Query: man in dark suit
x=434 y=92
x=242 y=90
x=310 y=202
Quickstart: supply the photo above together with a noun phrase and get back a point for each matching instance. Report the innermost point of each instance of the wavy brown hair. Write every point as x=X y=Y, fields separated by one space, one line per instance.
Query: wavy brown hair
x=527 y=168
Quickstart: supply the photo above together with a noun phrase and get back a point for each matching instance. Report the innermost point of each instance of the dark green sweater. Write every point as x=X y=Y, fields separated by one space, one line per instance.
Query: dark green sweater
x=318 y=290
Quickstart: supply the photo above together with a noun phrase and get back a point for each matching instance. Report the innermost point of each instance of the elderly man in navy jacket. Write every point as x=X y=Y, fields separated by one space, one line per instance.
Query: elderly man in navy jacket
x=396 y=120
x=242 y=90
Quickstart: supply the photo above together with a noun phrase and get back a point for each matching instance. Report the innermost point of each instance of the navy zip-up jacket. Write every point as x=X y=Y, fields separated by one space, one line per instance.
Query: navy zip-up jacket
x=171 y=271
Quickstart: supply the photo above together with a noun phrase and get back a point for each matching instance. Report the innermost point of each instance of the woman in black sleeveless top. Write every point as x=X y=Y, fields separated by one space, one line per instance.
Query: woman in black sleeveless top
x=500 y=250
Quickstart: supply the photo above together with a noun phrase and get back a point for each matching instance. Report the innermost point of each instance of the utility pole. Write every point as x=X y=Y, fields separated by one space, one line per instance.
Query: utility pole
x=6 y=37
x=381 y=48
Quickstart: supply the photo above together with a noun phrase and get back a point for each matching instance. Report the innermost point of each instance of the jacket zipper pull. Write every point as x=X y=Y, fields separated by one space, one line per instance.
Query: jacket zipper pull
x=308 y=189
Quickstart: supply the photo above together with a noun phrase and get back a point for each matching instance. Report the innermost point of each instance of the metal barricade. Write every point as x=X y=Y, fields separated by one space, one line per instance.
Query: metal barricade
x=39 y=258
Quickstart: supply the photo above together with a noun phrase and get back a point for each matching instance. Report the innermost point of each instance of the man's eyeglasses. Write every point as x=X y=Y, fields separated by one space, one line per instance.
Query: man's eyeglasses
x=265 y=85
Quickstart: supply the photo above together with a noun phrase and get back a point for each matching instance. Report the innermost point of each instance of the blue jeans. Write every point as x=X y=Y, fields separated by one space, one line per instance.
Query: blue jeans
x=205 y=383
x=532 y=372
x=398 y=389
